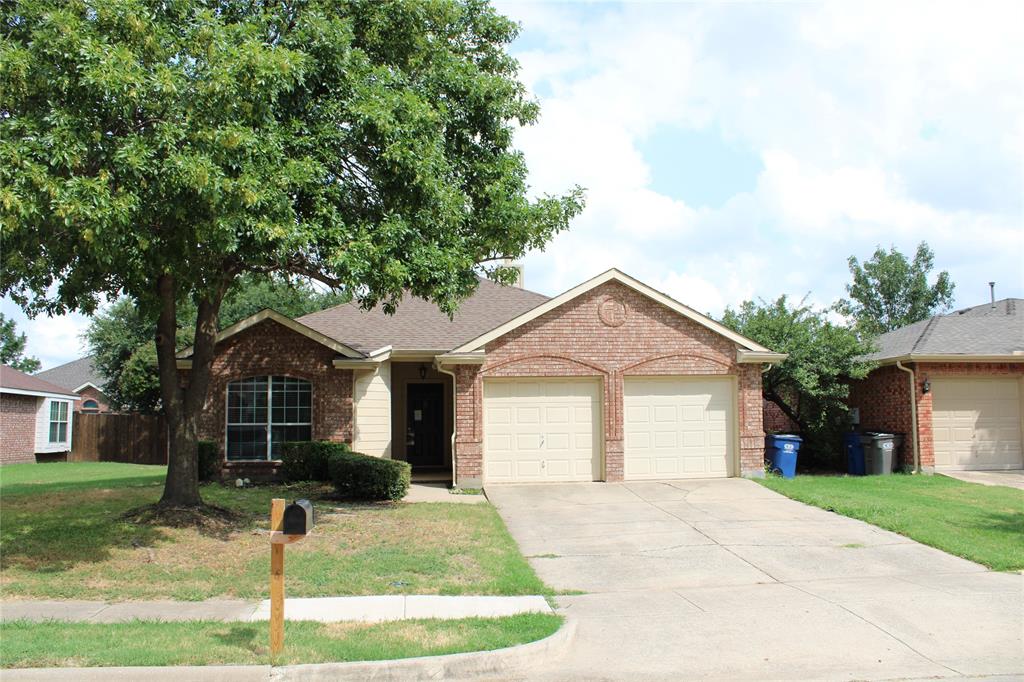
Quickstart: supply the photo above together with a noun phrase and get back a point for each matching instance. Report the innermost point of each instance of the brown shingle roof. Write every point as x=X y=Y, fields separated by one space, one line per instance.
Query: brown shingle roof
x=13 y=379
x=419 y=324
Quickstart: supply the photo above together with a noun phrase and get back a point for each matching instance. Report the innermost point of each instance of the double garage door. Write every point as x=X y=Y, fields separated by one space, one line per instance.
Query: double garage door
x=551 y=429
x=976 y=423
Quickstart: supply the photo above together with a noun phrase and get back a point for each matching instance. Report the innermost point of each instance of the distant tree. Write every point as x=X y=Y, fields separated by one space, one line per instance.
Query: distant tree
x=888 y=291
x=12 y=347
x=120 y=338
x=160 y=150
x=812 y=384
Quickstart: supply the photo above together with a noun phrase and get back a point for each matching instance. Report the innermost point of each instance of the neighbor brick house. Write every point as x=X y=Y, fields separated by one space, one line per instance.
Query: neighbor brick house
x=967 y=373
x=611 y=380
x=35 y=418
x=80 y=377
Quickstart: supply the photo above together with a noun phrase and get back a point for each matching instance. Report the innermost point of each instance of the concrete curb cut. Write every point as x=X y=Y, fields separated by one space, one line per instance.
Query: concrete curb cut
x=452 y=666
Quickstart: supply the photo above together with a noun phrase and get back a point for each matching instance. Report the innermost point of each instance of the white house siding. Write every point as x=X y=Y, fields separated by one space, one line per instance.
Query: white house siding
x=372 y=397
x=43 y=443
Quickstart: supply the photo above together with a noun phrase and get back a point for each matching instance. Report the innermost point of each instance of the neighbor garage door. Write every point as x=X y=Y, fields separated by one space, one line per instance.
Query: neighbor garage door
x=541 y=430
x=678 y=427
x=976 y=423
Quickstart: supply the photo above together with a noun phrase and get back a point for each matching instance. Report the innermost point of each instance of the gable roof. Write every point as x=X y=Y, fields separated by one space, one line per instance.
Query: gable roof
x=754 y=352
x=294 y=325
x=419 y=325
x=19 y=383
x=989 y=331
x=74 y=375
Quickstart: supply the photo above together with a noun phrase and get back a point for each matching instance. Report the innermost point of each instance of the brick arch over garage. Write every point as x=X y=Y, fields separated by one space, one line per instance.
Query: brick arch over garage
x=587 y=335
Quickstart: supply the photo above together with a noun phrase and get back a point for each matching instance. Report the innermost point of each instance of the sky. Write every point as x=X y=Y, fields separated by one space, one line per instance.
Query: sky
x=735 y=151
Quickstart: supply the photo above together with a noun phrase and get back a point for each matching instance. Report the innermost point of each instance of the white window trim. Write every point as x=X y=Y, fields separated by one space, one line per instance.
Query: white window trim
x=51 y=421
x=269 y=424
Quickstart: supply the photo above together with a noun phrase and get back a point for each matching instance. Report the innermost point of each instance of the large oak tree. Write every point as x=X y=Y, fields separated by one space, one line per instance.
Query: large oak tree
x=160 y=149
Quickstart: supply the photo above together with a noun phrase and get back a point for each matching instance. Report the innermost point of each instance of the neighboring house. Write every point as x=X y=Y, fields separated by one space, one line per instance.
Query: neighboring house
x=967 y=370
x=80 y=376
x=35 y=417
x=611 y=380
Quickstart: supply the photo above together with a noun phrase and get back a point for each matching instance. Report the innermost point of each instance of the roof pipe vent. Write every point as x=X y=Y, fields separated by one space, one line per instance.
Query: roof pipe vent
x=992 y=292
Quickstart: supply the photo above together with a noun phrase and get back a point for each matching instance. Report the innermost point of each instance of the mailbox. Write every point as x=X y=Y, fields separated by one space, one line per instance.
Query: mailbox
x=298 y=518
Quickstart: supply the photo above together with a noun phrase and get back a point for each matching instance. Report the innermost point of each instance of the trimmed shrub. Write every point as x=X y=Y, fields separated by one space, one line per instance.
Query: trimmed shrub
x=208 y=460
x=362 y=477
x=307 y=460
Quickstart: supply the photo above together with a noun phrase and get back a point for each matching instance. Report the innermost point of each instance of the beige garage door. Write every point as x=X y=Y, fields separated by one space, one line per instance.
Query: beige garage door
x=976 y=423
x=539 y=430
x=678 y=427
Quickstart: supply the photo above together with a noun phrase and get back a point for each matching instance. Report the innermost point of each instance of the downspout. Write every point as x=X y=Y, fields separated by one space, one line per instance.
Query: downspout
x=913 y=415
x=455 y=405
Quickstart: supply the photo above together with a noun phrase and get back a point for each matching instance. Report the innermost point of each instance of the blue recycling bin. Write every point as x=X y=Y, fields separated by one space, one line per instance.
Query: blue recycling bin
x=782 y=450
x=854 y=454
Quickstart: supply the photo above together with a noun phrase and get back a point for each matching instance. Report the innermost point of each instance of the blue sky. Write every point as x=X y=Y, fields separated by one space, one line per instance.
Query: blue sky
x=732 y=151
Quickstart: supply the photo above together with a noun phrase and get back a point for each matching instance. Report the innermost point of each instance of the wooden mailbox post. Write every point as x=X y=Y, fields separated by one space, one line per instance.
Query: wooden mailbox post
x=300 y=522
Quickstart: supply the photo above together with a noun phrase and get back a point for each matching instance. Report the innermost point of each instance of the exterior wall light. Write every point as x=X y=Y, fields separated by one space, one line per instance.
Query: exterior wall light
x=926 y=387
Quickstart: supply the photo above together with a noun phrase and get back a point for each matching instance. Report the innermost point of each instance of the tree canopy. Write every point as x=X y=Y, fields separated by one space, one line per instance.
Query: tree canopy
x=889 y=291
x=812 y=384
x=12 y=347
x=159 y=150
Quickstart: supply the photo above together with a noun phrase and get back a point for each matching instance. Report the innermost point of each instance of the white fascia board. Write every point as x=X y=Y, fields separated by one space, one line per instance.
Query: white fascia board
x=625 y=280
x=88 y=384
x=747 y=357
x=40 y=394
x=297 y=327
x=473 y=358
x=913 y=357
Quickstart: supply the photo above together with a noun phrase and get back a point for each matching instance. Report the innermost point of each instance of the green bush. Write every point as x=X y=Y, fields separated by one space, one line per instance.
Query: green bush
x=208 y=460
x=307 y=460
x=359 y=476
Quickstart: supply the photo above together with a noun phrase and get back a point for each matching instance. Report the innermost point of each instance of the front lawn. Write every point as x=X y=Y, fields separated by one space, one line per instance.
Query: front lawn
x=981 y=523
x=64 y=536
x=53 y=644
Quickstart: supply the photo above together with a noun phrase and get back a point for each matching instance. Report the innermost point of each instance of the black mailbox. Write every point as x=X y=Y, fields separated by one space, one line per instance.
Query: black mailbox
x=298 y=518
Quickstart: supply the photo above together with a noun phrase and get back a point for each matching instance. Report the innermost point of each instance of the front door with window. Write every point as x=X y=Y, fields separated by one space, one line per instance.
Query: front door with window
x=424 y=444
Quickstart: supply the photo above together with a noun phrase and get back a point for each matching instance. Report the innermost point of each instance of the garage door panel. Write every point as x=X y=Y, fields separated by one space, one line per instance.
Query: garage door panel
x=552 y=426
x=677 y=427
x=976 y=423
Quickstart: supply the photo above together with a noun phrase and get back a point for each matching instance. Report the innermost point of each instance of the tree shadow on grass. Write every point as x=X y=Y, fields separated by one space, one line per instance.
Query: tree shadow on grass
x=242 y=636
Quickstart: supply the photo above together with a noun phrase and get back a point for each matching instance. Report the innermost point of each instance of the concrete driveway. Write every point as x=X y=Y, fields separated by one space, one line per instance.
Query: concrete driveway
x=727 y=580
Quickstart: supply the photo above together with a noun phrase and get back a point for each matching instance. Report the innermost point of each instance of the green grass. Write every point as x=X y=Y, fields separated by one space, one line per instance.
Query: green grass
x=981 y=523
x=63 y=536
x=53 y=643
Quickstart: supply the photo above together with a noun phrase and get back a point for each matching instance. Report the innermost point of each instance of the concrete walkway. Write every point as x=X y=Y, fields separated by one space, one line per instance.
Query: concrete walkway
x=439 y=492
x=727 y=580
x=370 y=609
x=1013 y=478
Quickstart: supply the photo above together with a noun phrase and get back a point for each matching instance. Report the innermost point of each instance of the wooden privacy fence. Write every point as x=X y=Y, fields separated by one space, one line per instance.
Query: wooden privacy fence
x=131 y=438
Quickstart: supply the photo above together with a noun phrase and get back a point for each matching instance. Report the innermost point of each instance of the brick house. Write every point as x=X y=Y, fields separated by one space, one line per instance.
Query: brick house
x=80 y=377
x=611 y=380
x=35 y=418
x=965 y=371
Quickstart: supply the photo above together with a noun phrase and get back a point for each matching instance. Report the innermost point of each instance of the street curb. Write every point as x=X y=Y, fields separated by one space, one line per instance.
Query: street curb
x=449 y=667
x=452 y=666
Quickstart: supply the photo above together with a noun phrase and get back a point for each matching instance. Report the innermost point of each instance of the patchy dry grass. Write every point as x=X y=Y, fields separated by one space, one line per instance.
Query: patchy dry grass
x=77 y=535
x=56 y=644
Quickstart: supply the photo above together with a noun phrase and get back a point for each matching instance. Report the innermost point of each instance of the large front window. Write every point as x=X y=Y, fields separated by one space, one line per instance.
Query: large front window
x=264 y=412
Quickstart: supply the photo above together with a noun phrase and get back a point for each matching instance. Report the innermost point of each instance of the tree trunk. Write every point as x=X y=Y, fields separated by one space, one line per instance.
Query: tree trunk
x=773 y=397
x=183 y=405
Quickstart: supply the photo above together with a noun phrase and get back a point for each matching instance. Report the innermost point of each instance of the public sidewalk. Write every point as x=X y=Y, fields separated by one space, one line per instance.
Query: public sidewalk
x=369 y=609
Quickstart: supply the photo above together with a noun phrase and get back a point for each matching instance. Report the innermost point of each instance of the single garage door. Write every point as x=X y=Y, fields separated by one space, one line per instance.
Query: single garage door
x=678 y=427
x=976 y=423
x=542 y=430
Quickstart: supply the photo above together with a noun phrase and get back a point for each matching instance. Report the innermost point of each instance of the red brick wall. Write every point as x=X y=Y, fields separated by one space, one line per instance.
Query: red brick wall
x=776 y=421
x=271 y=349
x=575 y=340
x=17 y=428
x=884 y=400
x=90 y=393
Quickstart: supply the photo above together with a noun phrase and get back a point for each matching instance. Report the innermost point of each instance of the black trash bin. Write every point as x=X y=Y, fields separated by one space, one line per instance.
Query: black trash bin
x=881 y=452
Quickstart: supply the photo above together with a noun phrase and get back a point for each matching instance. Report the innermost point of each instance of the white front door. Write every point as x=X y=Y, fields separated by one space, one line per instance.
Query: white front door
x=976 y=423
x=678 y=427
x=542 y=429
